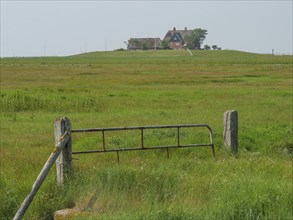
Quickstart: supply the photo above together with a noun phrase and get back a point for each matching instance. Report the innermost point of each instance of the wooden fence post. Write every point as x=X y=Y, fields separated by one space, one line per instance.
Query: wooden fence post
x=64 y=161
x=63 y=138
x=231 y=131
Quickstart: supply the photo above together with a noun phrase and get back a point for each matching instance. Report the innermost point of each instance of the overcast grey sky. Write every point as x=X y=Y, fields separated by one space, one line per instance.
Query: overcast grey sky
x=49 y=28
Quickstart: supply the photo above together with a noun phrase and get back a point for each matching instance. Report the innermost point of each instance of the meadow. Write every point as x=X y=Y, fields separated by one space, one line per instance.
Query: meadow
x=137 y=88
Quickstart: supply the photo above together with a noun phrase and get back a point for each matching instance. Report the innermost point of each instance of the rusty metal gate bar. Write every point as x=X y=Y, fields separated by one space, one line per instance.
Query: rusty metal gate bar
x=142 y=128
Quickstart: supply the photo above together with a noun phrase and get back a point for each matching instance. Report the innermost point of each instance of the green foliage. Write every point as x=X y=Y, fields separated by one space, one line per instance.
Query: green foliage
x=164 y=45
x=197 y=37
x=30 y=101
x=215 y=47
x=120 y=49
x=207 y=47
x=145 y=46
x=9 y=200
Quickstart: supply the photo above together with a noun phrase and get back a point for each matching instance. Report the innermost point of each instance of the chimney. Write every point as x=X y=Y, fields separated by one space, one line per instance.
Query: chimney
x=185 y=28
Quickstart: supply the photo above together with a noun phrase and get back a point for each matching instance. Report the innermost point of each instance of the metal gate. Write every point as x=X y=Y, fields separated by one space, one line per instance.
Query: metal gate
x=142 y=144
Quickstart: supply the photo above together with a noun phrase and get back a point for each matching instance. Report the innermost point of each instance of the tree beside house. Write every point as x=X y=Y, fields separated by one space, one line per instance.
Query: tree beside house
x=196 y=38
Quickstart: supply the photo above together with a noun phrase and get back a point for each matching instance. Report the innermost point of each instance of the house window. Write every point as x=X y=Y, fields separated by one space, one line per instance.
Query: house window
x=177 y=44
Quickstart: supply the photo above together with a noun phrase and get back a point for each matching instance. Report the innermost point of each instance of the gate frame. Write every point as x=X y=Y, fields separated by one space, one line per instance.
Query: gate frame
x=142 y=147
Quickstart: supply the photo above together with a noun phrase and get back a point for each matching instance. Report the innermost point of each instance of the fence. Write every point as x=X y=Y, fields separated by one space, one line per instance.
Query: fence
x=142 y=145
x=62 y=152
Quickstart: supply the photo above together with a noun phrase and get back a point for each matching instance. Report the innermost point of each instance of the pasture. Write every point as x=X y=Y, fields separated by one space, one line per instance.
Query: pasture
x=137 y=88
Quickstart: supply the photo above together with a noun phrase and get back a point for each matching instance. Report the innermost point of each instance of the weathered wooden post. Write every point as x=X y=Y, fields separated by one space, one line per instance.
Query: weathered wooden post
x=62 y=151
x=64 y=161
x=231 y=131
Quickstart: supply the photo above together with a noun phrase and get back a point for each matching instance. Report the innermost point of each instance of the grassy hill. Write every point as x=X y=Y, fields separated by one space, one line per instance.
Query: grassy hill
x=106 y=89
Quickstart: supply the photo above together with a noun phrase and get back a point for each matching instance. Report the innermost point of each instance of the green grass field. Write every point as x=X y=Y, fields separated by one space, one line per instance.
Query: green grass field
x=117 y=89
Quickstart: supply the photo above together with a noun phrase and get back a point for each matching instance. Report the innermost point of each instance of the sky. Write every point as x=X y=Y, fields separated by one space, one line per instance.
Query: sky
x=61 y=28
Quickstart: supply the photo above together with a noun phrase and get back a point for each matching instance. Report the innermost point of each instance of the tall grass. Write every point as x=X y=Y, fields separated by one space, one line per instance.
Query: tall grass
x=107 y=89
x=172 y=189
